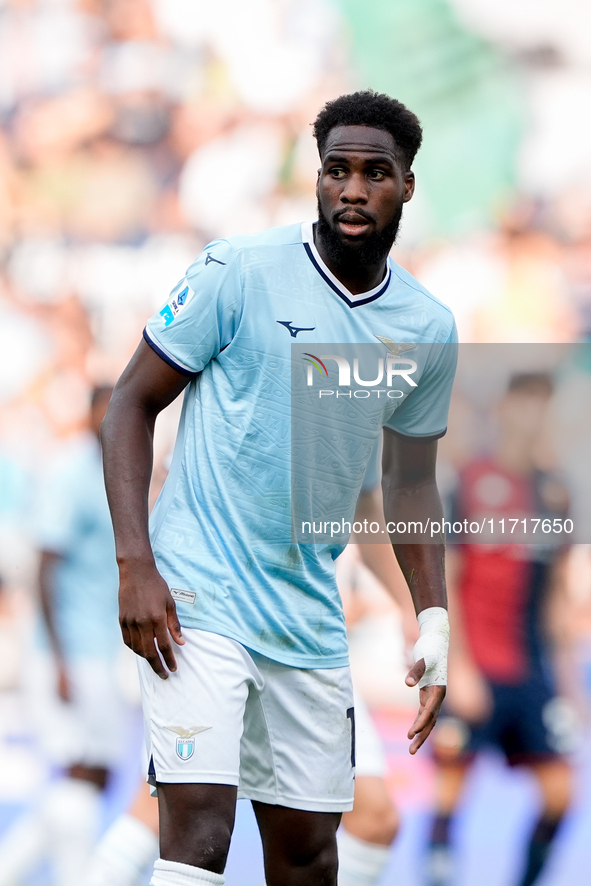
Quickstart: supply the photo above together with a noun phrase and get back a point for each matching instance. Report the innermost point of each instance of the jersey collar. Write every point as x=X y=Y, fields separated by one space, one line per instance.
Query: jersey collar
x=361 y=298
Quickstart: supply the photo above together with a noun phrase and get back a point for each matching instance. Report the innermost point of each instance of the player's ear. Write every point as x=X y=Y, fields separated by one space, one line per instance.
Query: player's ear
x=409 y=186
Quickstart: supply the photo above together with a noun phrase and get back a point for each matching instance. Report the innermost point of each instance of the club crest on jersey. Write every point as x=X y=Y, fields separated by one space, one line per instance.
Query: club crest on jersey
x=176 y=305
x=185 y=743
x=394 y=347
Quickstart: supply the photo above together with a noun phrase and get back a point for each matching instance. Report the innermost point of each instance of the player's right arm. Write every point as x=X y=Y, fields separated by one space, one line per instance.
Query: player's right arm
x=147 y=613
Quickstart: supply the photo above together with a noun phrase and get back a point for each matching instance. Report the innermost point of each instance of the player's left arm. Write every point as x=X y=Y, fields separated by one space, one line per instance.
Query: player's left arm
x=411 y=496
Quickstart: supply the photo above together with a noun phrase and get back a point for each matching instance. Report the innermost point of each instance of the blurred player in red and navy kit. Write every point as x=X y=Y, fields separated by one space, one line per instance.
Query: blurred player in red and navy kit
x=505 y=694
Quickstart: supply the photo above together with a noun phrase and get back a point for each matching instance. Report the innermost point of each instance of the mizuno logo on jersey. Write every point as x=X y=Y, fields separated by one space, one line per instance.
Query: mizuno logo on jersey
x=210 y=257
x=293 y=330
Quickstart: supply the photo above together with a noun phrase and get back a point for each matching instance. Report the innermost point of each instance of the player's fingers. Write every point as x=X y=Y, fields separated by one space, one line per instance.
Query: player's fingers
x=135 y=639
x=174 y=625
x=145 y=641
x=125 y=633
x=163 y=640
x=420 y=721
x=422 y=735
x=415 y=673
x=420 y=730
x=418 y=742
x=427 y=716
x=431 y=698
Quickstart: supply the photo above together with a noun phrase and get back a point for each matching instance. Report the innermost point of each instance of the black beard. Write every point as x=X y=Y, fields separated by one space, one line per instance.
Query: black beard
x=370 y=252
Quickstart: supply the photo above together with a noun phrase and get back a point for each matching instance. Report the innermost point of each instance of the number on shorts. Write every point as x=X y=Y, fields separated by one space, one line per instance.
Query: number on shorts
x=351 y=717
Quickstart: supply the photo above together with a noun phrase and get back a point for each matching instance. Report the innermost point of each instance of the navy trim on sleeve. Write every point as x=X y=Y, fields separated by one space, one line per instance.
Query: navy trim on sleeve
x=426 y=439
x=167 y=359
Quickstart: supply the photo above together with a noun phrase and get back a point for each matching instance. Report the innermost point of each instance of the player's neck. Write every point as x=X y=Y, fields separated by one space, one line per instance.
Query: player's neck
x=355 y=276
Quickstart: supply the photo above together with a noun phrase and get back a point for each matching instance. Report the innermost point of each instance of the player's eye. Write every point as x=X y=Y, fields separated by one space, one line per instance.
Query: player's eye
x=337 y=172
x=376 y=174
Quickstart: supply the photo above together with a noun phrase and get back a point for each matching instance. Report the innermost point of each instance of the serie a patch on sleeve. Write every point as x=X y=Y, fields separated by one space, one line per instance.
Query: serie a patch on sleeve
x=176 y=305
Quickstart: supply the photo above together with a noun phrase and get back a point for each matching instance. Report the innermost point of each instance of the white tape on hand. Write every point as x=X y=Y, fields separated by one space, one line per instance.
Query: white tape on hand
x=432 y=645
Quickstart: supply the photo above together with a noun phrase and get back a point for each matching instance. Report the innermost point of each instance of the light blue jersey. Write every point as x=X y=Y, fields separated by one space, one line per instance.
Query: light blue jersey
x=72 y=520
x=373 y=472
x=221 y=529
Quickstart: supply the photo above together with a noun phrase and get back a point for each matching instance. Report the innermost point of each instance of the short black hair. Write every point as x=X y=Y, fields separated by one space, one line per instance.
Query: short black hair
x=369 y=108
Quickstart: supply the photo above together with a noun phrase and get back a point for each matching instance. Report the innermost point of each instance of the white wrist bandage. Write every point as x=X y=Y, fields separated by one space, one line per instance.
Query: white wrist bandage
x=432 y=645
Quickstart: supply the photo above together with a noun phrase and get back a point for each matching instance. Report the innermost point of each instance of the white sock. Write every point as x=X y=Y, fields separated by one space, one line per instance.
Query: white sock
x=21 y=848
x=173 y=873
x=360 y=863
x=71 y=811
x=123 y=854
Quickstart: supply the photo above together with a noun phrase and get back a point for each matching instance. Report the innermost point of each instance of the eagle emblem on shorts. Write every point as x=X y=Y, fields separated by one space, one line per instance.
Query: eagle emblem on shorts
x=185 y=745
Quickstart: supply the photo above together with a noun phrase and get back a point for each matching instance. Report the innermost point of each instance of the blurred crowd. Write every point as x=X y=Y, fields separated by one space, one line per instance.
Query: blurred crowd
x=132 y=132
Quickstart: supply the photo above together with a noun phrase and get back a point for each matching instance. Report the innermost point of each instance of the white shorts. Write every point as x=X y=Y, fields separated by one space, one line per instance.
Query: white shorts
x=283 y=735
x=91 y=729
x=369 y=750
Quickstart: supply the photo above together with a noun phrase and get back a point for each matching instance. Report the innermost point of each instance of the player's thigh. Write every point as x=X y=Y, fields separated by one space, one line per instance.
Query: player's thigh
x=196 y=823
x=299 y=846
x=194 y=720
x=554 y=777
x=298 y=744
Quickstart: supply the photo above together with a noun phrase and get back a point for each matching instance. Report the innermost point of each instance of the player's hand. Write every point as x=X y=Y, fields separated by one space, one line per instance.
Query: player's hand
x=147 y=615
x=430 y=701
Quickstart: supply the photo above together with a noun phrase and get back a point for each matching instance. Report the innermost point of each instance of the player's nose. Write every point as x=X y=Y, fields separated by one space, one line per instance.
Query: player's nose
x=354 y=190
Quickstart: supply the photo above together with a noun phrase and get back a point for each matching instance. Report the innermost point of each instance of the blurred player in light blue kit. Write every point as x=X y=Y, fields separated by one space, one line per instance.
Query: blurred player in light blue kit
x=77 y=706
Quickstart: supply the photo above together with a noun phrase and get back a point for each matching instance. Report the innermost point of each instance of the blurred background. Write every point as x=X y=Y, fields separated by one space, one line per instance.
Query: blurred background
x=134 y=131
